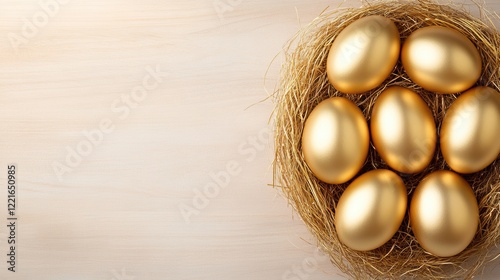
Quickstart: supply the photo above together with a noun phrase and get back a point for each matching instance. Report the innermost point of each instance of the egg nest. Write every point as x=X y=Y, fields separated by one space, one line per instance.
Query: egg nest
x=304 y=84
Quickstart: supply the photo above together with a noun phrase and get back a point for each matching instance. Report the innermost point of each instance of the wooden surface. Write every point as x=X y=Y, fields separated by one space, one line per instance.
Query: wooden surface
x=125 y=174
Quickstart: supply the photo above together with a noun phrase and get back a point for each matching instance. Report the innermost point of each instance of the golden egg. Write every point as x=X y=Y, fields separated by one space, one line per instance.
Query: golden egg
x=370 y=210
x=470 y=134
x=403 y=130
x=441 y=59
x=444 y=215
x=335 y=140
x=363 y=55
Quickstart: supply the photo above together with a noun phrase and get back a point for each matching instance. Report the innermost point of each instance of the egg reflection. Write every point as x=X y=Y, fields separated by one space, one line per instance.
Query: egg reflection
x=370 y=210
x=363 y=55
x=403 y=130
x=441 y=59
x=444 y=214
x=335 y=140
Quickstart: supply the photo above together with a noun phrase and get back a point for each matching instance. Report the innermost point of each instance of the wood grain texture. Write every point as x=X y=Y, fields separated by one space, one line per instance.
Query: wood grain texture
x=126 y=204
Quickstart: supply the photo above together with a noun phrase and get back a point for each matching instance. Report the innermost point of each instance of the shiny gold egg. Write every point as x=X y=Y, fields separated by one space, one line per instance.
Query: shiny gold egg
x=441 y=59
x=335 y=140
x=444 y=214
x=363 y=55
x=403 y=130
x=470 y=134
x=370 y=210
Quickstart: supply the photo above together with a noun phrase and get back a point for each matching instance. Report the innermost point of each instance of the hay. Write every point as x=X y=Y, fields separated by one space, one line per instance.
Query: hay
x=304 y=84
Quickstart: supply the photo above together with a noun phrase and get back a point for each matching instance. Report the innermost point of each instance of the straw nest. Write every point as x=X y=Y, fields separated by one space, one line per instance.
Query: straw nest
x=304 y=84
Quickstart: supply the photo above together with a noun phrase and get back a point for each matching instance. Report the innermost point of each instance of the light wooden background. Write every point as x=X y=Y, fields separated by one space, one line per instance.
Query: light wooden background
x=128 y=206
